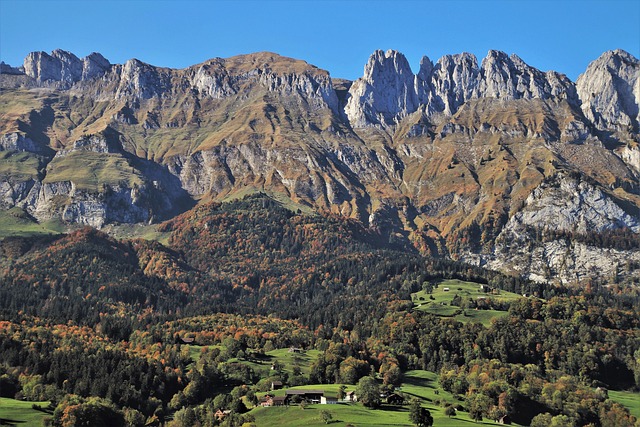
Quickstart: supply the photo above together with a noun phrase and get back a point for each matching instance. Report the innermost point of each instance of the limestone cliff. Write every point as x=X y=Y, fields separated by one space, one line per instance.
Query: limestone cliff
x=610 y=91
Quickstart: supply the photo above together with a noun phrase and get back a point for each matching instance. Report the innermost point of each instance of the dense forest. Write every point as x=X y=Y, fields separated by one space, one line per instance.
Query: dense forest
x=100 y=327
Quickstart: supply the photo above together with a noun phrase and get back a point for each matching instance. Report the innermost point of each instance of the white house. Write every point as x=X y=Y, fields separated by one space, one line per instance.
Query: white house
x=328 y=400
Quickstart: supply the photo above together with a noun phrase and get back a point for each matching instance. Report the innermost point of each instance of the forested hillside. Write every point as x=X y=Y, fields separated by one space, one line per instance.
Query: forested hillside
x=135 y=332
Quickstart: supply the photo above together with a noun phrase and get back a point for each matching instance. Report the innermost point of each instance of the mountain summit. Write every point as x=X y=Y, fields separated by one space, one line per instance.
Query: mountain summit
x=495 y=163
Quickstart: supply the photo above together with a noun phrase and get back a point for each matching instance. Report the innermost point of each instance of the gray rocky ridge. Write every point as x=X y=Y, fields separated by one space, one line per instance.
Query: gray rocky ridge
x=64 y=67
x=389 y=91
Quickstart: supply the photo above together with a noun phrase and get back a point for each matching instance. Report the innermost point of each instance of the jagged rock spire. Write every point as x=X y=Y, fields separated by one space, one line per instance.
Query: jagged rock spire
x=385 y=94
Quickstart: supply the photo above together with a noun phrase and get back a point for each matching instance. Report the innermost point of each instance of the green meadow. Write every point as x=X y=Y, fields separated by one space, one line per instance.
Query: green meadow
x=15 y=222
x=262 y=366
x=629 y=399
x=288 y=360
x=20 y=166
x=419 y=384
x=439 y=301
x=97 y=170
x=19 y=413
x=137 y=231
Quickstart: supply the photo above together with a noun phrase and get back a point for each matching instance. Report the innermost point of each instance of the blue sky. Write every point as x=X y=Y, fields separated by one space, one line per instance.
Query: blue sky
x=563 y=35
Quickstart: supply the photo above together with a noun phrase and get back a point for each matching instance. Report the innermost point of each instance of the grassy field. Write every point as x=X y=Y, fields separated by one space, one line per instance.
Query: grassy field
x=90 y=171
x=440 y=305
x=286 y=359
x=629 y=399
x=133 y=231
x=14 y=222
x=20 y=166
x=195 y=351
x=426 y=386
x=263 y=365
x=279 y=197
x=342 y=414
x=303 y=360
x=352 y=414
x=18 y=413
x=423 y=385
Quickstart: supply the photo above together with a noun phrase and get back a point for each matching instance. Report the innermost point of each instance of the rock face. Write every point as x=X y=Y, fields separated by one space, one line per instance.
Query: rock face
x=567 y=205
x=610 y=91
x=115 y=204
x=449 y=84
x=505 y=77
x=389 y=91
x=19 y=142
x=385 y=94
x=495 y=163
x=64 y=67
x=559 y=208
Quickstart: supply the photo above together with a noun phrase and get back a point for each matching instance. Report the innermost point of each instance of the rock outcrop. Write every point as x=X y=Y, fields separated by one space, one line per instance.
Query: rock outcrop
x=549 y=239
x=385 y=94
x=610 y=91
x=16 y=141
x=64 y=67
x=509 y=77
x=449 y=84
x=564 y=204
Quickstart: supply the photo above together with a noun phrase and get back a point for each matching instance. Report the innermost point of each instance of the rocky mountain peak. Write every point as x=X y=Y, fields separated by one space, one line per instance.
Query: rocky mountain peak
x=141 y=80
x=610 y=91
x=459 y=152
x=426 y=68
x=216 y=78
x=64 y=68
x=385 y=93
x=509 y=77
x=454 y=80
x=381 y=64
x=388 y=91
x=94 y=65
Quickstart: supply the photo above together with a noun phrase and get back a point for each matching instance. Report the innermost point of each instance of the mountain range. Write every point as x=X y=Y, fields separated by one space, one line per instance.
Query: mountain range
x=496 y=163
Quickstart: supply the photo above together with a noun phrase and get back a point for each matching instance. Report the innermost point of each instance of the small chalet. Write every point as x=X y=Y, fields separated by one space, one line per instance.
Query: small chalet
x=279 y=401
x=328 y=400
x=395 y=399
x=295 y=350
x=276 y=385
x=351 y=396
x=269 y=400
x=266 y=400
x=185 y=340
x=445 y=289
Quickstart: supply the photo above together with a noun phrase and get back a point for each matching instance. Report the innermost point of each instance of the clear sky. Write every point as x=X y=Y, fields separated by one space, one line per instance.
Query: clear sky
x=561 y=35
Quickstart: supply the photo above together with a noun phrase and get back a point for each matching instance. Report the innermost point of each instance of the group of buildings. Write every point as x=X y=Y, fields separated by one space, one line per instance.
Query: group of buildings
x=310 y=396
